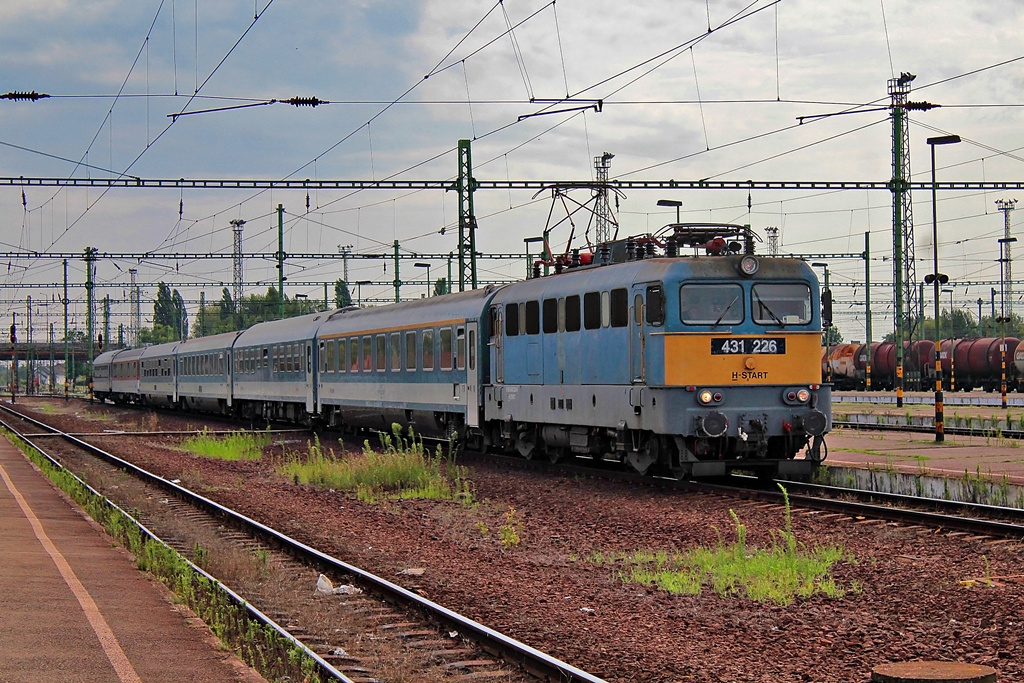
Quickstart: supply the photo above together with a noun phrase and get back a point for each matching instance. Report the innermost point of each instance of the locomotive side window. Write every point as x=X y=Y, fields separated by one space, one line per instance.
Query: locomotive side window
x=428 y=350
x=592 y=310
x=550 y=315
x=781 y=304
x=532 y=317
x=619 y=307
x=572 y=313
x=655 y=305
x=511 y=320
x=711 y=304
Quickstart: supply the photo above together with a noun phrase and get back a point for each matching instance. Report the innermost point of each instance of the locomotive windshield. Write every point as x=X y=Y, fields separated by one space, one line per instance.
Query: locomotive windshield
x=711 y=304
x=781 y=304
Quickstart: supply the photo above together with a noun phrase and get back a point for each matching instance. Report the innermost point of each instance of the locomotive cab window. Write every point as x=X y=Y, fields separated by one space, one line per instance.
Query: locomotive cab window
x=781 y=304
x=711 y=304
x=655 y=308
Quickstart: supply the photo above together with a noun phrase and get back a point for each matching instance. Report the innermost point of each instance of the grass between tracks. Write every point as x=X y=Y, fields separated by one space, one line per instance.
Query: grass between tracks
x=402 y=469
x=777 y=573
x=234 y=446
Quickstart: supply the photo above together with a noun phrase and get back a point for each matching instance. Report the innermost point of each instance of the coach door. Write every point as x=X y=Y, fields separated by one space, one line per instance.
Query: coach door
x=497 y=343
x=637 y=341
x=472 y=387
x=310 y=384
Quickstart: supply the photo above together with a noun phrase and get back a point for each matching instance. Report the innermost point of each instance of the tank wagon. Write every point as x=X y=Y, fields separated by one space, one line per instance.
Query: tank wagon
x=681 y=365
x=972 y=363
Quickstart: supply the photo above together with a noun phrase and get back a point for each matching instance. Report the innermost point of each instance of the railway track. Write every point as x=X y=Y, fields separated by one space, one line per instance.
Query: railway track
x=944 y=515
x=405 y=631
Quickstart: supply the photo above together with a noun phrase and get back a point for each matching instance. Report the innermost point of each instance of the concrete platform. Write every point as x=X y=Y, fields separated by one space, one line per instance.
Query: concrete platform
x=75 y=608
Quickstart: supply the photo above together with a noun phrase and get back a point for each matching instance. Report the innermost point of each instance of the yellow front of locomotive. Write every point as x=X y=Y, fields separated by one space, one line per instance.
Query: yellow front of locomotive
x=741 y=359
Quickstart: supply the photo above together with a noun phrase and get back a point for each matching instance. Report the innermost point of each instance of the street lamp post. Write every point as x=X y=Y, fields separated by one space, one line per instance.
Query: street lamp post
x=671 y=202
x=1002 y=319
x=935 y=279
x=359 y=291
x=952 y=342
x=826 y=297
x=427 y=266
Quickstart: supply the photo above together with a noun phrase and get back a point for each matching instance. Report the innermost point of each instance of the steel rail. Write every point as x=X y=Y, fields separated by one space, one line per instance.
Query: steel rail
x=754 y=491
x=512 y=651
x=325 y=668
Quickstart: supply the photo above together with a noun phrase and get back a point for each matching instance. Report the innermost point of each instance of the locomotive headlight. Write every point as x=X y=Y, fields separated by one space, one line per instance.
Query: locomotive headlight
x=705 y=397
x=749 y=265
x=803 y=396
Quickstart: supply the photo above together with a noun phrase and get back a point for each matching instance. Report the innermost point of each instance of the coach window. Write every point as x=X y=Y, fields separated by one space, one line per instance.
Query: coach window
x=446 y=348
x=460 y=348
x=367 y=354
x=339 y=355
x=572 y=313
x=396 y=351
x=511 y=320
x=322 y=362
x=428 y=350
x=410 y=351
x=266 y=359
x=532 y=317
x=353 y=354
x=711 y=304
x=382 y=352
x=550 y=316
x=619 y=307
x=592 y=310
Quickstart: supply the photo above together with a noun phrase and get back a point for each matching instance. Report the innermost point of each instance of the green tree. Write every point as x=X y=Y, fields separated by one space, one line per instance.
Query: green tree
x=180 y=316
x=833 y=336
x=164 y=312
x=342 y=296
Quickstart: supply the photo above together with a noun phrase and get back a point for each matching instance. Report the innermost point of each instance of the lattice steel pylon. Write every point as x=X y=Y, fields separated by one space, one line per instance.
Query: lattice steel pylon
x=773 y=240
x=602 y=210
x=904 y=270
x=1006 y=206
x=236 y=289
x=135 y=321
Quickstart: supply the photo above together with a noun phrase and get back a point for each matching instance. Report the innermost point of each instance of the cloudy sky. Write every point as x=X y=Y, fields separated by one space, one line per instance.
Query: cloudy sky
x=690 y=89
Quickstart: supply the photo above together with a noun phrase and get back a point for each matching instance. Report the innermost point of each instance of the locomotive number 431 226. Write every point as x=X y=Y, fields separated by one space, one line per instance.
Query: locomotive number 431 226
x=731 y=345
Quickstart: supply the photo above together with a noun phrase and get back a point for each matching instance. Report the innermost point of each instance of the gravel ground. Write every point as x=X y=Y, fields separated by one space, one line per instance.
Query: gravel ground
x=909 y=594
